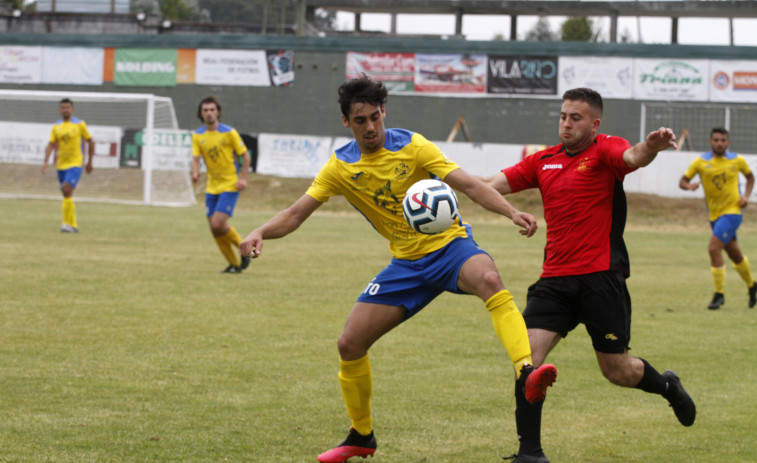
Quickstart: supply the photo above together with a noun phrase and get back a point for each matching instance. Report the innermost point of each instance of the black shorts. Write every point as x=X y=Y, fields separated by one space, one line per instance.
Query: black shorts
x=599 y=300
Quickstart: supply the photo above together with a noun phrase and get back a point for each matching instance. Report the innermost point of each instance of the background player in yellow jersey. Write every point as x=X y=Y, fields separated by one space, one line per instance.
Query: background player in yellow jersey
x=373 y=172
x=718 y=171
x=220 y=146
x=69 y=134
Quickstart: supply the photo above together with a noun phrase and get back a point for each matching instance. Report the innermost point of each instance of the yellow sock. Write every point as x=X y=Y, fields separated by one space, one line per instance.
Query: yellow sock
x=510 y=328
x=224 y=244
x=718 y=278
x=745 y=271
x=233 y=237
x=357 y=384
x=69 y=212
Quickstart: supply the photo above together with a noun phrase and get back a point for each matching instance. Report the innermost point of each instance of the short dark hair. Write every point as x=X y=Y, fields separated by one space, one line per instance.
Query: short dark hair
x=361 y=90
x=719 y=130
x=66 y=100
x=208 y=99
x=591 y=97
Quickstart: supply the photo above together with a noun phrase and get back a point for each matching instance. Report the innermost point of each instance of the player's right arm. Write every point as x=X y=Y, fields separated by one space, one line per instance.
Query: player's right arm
x=499 y=182
x=280 y=225
x=685 y=183
x=48 y=152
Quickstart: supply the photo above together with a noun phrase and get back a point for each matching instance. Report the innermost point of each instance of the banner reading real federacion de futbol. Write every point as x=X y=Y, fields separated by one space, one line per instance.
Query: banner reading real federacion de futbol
x=147 y=67
x=450 y=73
x=395 y=70
x=522 y=75
x=247 y=68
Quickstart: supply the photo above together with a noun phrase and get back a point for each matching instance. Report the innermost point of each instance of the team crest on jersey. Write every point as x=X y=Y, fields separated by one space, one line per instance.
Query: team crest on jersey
x=585 y=165
x=384 y=198
x=401 y=171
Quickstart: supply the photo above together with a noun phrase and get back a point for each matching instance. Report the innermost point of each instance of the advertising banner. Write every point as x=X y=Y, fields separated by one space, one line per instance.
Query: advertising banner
x=450 y=73
x=395 y=70
x=671 y=79
x=611 y=77
x=155 y=67
x=733 y=81
x=522 y=75
x=171 y=149
x=25 y=143
x=232 y=67
x=72 y=65
x=20 y=65
x=293 y=156
x=281 y=68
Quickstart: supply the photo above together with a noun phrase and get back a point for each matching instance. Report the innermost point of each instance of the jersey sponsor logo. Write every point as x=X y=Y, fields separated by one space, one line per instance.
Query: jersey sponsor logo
x=356 y=176
x=551 y=166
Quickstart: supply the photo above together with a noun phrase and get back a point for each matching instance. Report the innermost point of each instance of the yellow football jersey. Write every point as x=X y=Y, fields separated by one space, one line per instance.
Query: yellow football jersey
x=375 y=184
x=219 y=149
x=69 y=136
x=719 y=176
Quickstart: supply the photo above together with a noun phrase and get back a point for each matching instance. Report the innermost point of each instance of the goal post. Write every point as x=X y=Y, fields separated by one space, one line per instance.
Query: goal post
x=141 y=155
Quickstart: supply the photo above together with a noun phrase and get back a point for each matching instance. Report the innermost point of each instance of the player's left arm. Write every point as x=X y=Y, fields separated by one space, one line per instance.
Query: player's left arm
x=91 y=151
x=241 y=148
x=744 y=199
x=488 y=198
x=643 y=153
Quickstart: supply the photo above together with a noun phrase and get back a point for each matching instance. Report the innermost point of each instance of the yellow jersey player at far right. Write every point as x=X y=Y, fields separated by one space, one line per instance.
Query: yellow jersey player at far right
x=219 y=145
x=69 y=134
x=718 y=171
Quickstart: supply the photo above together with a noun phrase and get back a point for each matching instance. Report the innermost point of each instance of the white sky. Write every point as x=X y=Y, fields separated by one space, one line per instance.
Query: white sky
x=691 y=31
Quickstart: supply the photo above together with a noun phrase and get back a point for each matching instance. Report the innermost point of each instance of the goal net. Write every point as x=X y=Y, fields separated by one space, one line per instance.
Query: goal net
x=141 y=156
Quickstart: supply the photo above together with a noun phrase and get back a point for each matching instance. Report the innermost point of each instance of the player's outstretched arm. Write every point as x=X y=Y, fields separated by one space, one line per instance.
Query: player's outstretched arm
x=643 y=153
x=490 y=199
x=280 y=225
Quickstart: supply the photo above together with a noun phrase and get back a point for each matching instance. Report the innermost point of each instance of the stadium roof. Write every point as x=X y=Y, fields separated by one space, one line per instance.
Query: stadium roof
x=671 y=9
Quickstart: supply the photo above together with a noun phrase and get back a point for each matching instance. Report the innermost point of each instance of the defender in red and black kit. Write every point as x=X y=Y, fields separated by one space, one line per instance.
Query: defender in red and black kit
x=585 y=259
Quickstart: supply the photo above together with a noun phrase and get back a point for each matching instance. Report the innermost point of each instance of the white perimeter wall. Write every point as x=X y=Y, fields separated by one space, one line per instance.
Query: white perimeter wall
x=302 y=156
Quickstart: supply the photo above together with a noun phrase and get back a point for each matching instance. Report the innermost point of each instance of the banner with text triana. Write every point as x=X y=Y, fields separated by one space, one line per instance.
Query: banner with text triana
x=20 y=65
x=395 y=70
x=612 y=77
x=153 y=67
x=733 y=81
x=522 y=75
x=293 y=156
x=72 y=65
x=450 y=73
x=671 y=79
x=247 y=68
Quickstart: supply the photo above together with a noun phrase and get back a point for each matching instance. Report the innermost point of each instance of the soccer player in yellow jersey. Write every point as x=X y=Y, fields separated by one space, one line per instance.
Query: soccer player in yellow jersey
x=373 y=172
x=220 y=146
x=68 y=135
x=718 y=171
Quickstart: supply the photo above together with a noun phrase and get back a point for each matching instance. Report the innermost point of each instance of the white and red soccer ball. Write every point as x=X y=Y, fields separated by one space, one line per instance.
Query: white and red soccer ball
x=430 y=206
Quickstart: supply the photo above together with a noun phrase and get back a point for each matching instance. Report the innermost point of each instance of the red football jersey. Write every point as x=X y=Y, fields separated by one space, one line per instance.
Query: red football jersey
x=584 y=205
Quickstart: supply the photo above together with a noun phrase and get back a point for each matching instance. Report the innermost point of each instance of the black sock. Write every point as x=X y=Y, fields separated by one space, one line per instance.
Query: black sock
x=652 y=381
x=527 y=422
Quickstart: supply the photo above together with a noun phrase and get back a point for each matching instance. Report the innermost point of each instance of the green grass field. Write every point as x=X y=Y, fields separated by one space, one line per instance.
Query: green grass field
x=123 y=344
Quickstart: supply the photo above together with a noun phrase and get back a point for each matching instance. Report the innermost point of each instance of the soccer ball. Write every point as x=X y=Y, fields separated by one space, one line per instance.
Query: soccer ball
x=430 y=206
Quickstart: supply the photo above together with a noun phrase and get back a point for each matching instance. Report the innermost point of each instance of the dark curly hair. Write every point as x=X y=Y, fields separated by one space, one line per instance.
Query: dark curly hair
x=208 y=99
x=361 y=90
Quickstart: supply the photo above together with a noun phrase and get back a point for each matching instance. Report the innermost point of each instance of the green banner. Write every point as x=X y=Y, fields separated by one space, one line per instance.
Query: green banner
x=146 y=67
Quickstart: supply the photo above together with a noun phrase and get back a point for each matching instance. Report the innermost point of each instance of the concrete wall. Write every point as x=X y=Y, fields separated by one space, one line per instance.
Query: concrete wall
x=309 y=107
